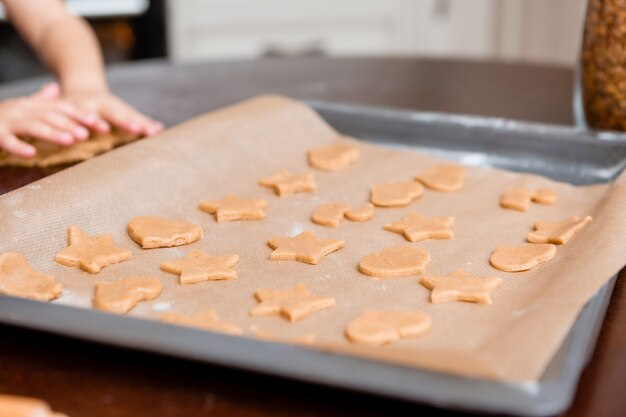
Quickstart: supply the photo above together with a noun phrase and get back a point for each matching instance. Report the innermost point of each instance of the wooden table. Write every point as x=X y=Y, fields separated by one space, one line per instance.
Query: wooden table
x=85 y=379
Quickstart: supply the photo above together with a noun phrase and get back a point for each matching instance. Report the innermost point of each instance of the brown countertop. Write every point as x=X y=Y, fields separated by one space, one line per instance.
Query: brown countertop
x=85 y=379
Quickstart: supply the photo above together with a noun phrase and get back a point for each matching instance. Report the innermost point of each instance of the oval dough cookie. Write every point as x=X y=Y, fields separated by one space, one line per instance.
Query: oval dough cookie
x=443 y=177
x=122 y=295
x=376 y=328
x=396 y=194
x=334 y=157
x=157 y=232
x=396 y=261
x=521 y=258
x=19 y=279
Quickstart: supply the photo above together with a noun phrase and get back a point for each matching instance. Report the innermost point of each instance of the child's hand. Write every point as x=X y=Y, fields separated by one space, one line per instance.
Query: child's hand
x=41 y=116
x=114 y=113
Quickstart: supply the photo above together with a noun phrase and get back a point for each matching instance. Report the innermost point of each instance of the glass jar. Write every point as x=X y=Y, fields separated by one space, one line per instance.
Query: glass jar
x=603 y=65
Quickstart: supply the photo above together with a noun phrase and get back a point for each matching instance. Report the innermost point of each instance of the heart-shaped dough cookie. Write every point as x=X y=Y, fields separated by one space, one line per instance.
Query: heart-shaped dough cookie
x=396 y=261
x=157 y=232
x=376 y=328
x=521 y=258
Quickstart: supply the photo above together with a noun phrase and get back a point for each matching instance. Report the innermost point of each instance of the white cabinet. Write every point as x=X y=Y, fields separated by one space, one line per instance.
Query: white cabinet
x=231 y=29
x=540 y=30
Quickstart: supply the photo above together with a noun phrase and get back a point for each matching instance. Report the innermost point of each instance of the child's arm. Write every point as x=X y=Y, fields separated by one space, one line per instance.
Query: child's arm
x=69 y=47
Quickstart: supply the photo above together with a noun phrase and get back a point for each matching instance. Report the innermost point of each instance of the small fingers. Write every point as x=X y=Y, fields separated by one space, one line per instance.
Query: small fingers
x=41 y=130
x=62 y=122
x=11 y=144
x=128 y=119
x=84 y=117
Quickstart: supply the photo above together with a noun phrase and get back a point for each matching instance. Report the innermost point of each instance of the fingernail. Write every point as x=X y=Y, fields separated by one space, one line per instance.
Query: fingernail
x=66 y=137
x=28 y=151
x=90 y=119
x=81 y=133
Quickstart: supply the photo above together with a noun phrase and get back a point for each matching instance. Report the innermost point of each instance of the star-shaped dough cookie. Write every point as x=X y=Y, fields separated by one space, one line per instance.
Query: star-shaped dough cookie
x=90 y=254
x=334 y=157
x=19 y=279
x=305 y=247
x=329 y=214
x=559 y=232
x=231 y=208
x=376 y=328
x=206 y=320
x=523 y=257
x=416 y=228
x=293 y=303
x=199 y=266
x=460 y=286
x=157 y=232
x=519 y=198
x=444 y=177
x=396 y=194
x=284 y=183
x=123 y=295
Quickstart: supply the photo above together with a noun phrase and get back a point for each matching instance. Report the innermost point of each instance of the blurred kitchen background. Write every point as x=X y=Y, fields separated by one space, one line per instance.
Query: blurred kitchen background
x=542 y=31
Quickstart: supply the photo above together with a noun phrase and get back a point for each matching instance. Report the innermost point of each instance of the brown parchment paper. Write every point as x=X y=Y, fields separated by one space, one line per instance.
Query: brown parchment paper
x=228 y=151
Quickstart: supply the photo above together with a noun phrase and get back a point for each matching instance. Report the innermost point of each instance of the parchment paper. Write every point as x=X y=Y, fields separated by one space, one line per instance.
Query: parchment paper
x=228 y=151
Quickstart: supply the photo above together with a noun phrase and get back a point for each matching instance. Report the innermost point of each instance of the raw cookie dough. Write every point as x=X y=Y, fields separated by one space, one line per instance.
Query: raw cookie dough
x=199 y=266
x=49 y=154
x=19 y=279
x=519 y=198
x=521 y=258
x=444 y=177
x=396 y=261
x=396 y=194
x=559 y=232
x=206 y=320
x=157 y=232
x=416 y=228
x=305 y=339
x=460 y=286
x=361 y=214
x=305 y=247
x=90 y=254
x=231 y=208
x=14 y=406
x=284 y=183
x=122 y=295
x=329 y=214
x=334 y=157
x=293 y=303
x=376 y=328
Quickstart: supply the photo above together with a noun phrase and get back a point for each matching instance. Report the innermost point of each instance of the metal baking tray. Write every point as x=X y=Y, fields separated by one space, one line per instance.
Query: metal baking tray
x=561 y=153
